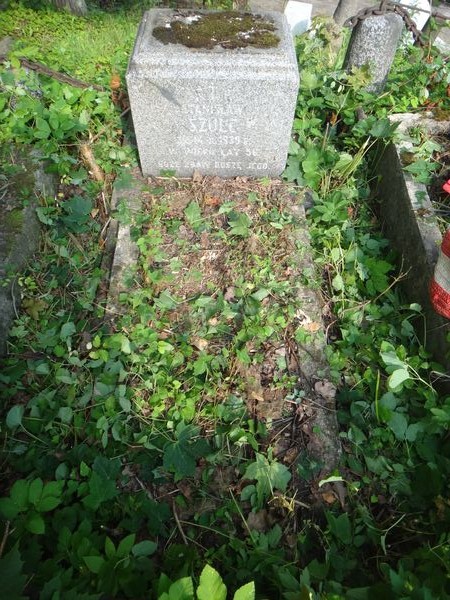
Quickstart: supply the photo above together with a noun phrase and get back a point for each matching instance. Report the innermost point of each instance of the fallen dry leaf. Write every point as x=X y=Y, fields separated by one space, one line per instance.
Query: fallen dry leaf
x=312 y=327
x=196 y=176
x=258 y=521
x=200 y=343
x=329 y=497
x=212 y=201
x=229 y=294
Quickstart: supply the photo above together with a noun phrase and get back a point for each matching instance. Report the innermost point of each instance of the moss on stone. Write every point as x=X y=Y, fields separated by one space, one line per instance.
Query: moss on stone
x=13 y=219
x=228 y=29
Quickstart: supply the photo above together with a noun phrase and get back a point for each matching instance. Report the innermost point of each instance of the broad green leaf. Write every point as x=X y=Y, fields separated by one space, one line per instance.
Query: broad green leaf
x=8 y=510
x=269 y=475
x=211 y=585
x=48 y=503
x=35 y=524
x=246 y=592
x=399 y=425
x=19 y=494
x=65 y=413
x=239 y=224
x=341 y=527
x=106 y=468
x=126 y=545
x=164 y=584
x=12 y=579
x=100 y=490
x=145 y=548
x=193 y=213
x=397 y=378
x=110 y=549
x=338 y=283
x=382 y=128
x=165 y=301
x=179 y=460
x=14 y=416
x=42 y=130
x=293 y=171
x=67 y=330
x=94 y=563
x=35 y=491
x=183 y=589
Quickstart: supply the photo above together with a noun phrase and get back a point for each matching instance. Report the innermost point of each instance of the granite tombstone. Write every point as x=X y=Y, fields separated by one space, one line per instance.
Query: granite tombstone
x=225 y=109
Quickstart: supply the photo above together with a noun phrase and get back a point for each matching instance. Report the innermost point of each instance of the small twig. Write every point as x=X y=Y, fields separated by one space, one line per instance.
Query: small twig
x=14 y=298
x=143 y=488
x=44 y=70
x=4 y=538
x=177 y=521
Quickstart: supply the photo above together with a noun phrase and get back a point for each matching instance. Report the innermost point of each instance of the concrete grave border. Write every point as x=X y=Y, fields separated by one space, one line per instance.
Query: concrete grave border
x=409 y=222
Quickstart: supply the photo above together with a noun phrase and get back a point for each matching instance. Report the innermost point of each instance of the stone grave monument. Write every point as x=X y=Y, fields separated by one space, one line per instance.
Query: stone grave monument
x=213 y=92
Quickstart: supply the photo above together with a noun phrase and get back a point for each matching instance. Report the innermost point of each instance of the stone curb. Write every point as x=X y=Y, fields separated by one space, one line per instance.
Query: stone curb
x=409 y=222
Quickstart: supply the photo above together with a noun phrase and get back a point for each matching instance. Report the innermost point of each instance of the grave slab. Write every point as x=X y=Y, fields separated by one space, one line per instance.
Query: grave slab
x=219 y=111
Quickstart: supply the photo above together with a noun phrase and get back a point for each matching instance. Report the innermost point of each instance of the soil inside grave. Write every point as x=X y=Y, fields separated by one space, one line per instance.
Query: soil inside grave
x=231 y=279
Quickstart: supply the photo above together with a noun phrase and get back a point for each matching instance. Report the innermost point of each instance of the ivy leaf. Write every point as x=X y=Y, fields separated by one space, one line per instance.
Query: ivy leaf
x=211 y=585
x=178 y=459
x=102 y=484
x=269 y=475
x=382 y=128
x=293 y=171
x=239 y=224
x=193 y=213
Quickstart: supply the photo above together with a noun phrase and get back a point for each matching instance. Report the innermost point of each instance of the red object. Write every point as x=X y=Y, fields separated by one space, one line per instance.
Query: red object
x=446 y=186
x=440 y=284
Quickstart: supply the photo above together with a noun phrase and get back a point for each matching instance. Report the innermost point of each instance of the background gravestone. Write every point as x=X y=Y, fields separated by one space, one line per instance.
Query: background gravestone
x=374 y=42
x=220 y=111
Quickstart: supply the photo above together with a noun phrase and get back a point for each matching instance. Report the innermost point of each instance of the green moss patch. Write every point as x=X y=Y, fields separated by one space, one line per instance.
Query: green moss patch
x=228 y=29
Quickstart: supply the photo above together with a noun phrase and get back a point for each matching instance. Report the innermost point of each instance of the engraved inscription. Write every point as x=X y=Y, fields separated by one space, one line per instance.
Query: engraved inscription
x=215 y=135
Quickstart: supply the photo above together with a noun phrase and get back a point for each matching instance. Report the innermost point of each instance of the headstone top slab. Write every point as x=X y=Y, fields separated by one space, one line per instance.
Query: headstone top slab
x=149 y=51
x=219 y=111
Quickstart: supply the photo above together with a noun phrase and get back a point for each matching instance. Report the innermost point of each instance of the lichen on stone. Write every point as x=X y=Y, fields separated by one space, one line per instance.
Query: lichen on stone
x=228 y=29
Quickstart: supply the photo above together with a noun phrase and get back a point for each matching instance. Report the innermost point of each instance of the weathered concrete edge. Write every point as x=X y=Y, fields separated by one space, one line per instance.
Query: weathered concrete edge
x=324 y=445
x=415 y=236
x=25 y=244
x=121 y=252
